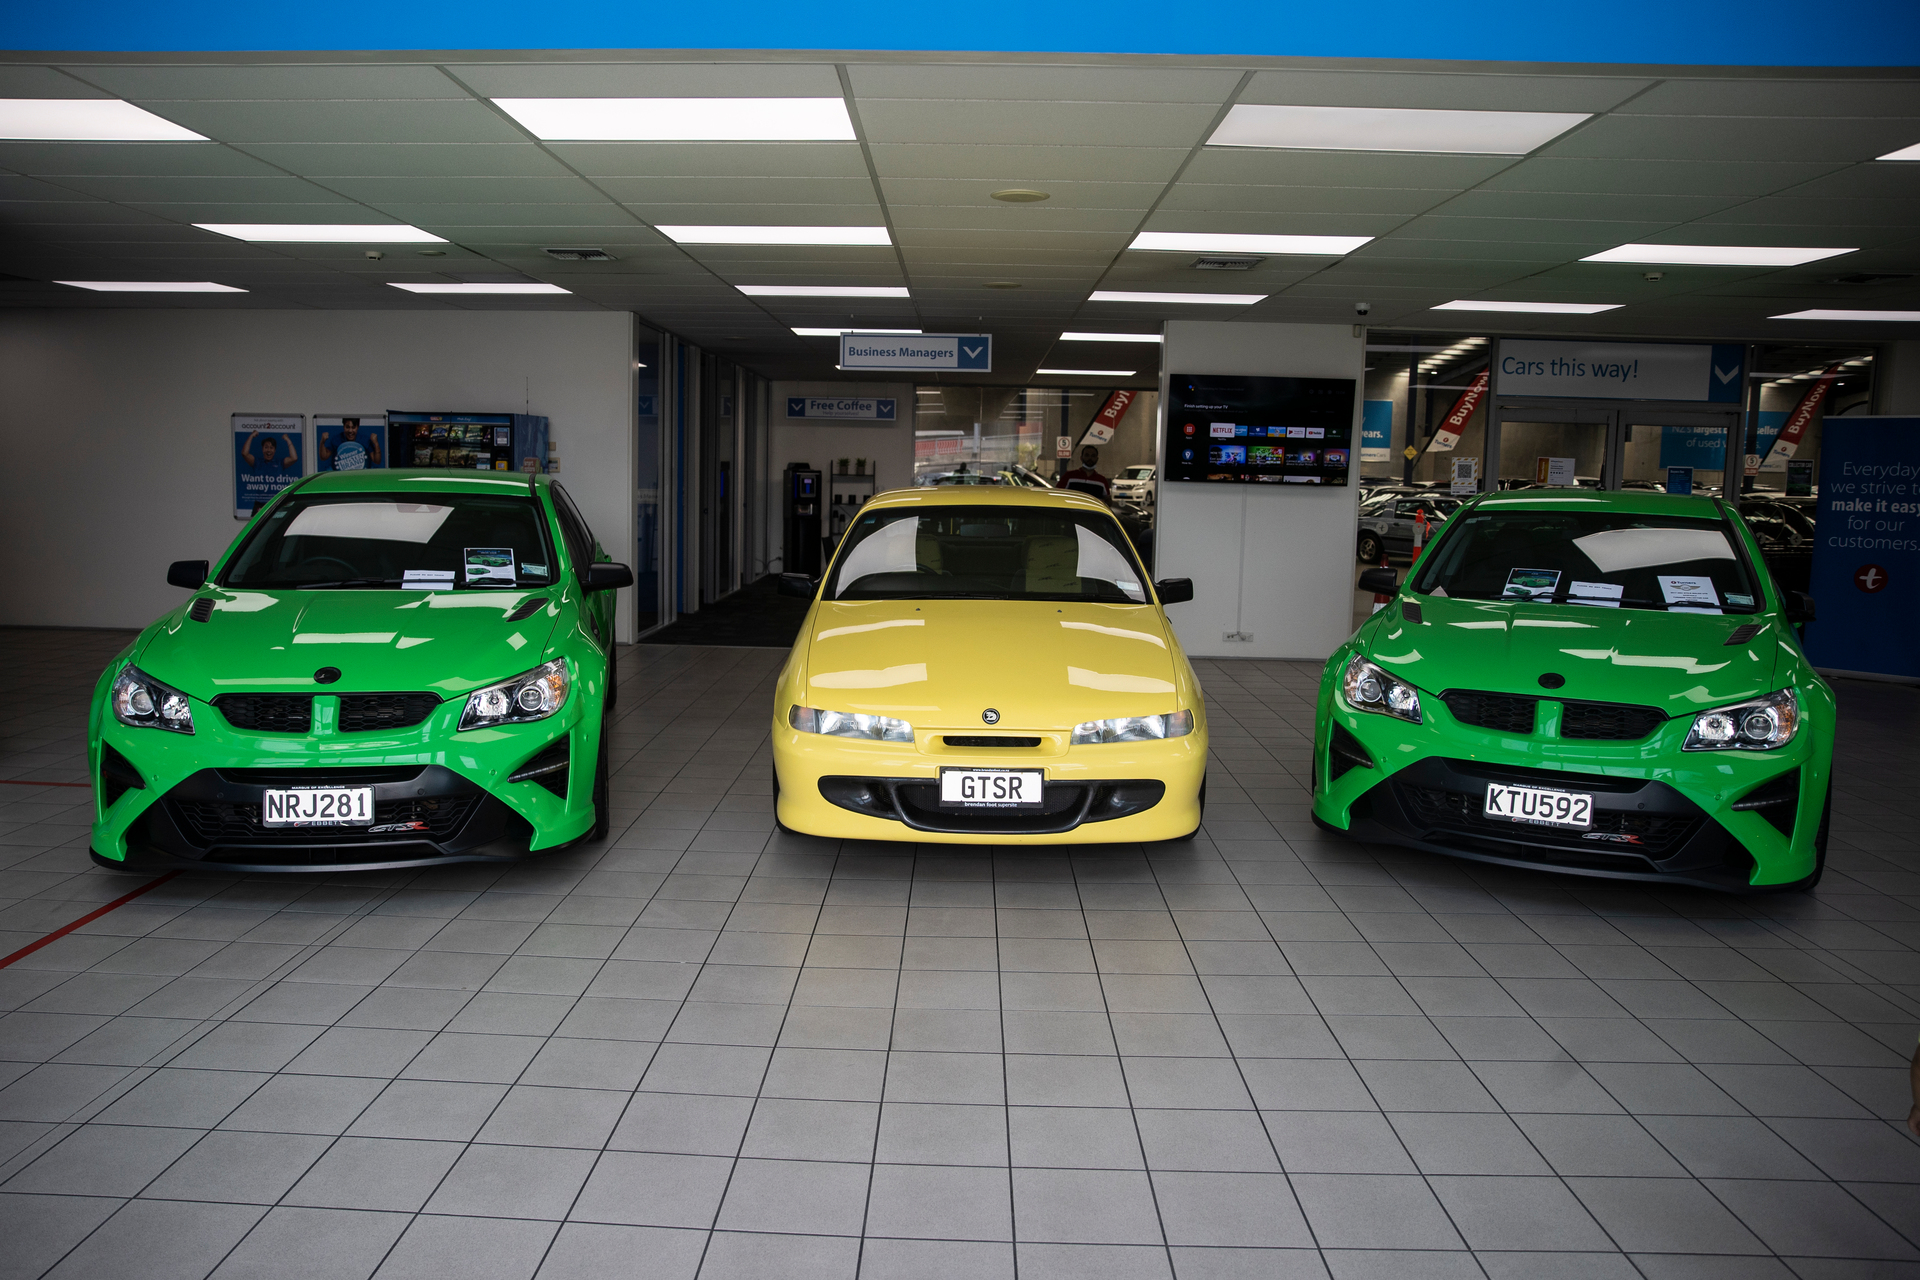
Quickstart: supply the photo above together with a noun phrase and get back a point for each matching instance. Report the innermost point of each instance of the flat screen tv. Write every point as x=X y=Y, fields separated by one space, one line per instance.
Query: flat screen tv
x=1234 y=429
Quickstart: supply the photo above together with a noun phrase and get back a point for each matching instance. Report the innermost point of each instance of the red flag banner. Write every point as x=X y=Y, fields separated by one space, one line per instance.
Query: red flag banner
x=1101 y=429
x=1456 y=421
x=1794 y=429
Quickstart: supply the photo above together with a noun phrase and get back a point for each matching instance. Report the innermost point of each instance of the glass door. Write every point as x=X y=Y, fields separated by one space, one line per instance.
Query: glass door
x=1538 y=445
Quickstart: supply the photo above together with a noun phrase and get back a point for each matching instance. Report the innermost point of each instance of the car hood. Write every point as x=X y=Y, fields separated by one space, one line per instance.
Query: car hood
x=1679 y=662
x=447 y=642
x=1041 y=665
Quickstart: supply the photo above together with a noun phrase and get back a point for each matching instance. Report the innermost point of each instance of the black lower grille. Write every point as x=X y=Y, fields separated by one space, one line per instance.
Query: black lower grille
x=1625 y=830
x=371 y=712
x=987 y=740
x=1345 y=752
x=1501 y=712
x=1064 y=805
x=1777 y=801
x=1609 y=721
x=268 y=712
x=210 y=822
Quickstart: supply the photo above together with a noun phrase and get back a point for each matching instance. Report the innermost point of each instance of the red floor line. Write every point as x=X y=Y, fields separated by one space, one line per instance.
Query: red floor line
x=22 y=782
x=88 y=918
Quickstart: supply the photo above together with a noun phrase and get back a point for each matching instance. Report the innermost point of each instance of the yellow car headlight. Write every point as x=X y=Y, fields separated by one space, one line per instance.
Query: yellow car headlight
x=1177 y=724
x=849 y=724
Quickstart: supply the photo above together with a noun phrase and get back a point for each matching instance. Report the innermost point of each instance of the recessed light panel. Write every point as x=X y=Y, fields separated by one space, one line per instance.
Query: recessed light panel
x=1086 y=373
x=1715 y=255
x=480 y=288
x=822 y=291
x=834 y=333
x=150 y=286
x=1110 y=337
x=1829 y=313
x=322 y=232
x=1210 y=242
x=778 y=235
x=1179 y=299
x=1538 y=308
x=1499 y=133
x=86 y=120
x=1904 y=153
x=682 y=119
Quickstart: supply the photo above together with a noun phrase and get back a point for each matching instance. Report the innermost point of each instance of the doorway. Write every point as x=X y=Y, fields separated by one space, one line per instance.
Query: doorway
x=1612 y=445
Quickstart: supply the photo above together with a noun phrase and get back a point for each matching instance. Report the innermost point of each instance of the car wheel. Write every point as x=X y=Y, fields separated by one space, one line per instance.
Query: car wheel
x=1203 y=815
x=1369 y=550
x=602 y=789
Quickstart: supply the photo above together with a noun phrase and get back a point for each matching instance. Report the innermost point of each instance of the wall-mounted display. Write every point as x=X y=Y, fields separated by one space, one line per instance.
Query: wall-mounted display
x=268 y=456
x=351 y=442
x=1236 y=429
x=467 y=441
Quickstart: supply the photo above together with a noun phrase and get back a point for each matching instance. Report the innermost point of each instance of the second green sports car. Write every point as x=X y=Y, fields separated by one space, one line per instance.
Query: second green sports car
x=387 y=668
x=1609 y=684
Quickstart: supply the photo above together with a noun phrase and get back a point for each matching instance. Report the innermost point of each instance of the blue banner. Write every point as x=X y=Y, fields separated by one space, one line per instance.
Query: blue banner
x=1866 y=549
x=1702 y=448
x=1376 y=431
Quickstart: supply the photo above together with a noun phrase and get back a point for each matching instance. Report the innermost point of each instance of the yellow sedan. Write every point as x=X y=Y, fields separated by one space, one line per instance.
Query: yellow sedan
x=988 y=665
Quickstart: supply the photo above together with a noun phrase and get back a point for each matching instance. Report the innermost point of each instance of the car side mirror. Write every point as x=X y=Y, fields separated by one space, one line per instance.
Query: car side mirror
x=1799 y=607
x=1174 y=590
x=607 y=577
x=191 y=574
x=797 y=585
x=1380 y=581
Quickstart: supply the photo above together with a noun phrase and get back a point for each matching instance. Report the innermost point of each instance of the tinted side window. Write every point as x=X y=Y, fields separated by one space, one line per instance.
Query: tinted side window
x=579 y=538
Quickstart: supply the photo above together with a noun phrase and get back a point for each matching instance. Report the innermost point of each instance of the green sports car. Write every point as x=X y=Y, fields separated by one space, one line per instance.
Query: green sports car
x=386 y=669
x=1608 y=684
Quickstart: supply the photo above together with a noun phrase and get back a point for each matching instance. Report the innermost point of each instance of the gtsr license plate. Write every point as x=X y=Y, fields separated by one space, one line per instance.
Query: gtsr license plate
x=993 y=788
x=1538 y=805
x=318 y=807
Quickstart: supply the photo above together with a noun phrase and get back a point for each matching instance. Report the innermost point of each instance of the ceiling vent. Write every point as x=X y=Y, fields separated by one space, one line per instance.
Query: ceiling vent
x=580 y=255
x=1216 y=262
x=1864 y=277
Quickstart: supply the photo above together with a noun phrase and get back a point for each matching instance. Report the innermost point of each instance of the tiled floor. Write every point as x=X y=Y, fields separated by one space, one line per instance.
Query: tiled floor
x=709 y=1049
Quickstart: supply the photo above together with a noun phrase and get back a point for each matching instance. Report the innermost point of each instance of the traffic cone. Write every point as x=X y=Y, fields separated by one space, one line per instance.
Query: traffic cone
x=1419 y=535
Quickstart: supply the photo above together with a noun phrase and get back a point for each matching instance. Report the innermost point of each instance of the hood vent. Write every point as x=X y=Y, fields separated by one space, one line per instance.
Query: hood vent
x=527 y=609
x=202 y=609
x=1745 y=632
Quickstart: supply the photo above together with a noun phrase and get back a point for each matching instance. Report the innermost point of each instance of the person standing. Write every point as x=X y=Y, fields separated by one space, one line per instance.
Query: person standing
x=1086 y=477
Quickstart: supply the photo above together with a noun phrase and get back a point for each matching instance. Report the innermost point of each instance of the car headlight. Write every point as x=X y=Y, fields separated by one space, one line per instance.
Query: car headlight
x=534 y=695
x=1176 y=724
x=143 y=702
x=1368 y=688
x=849 y=724
x=1760 y=725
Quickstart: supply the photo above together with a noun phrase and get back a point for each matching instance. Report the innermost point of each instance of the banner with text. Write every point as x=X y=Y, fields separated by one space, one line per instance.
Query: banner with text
x=1866 y=548
x=1456 y=420
x=1620 y=370
x=842 y=408
x=1376 y=431
x=1101 y=429
x=1794 y=429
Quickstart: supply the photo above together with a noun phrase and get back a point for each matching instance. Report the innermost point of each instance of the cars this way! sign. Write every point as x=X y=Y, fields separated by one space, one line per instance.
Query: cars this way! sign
x=1866 y=548
x=1620 y=370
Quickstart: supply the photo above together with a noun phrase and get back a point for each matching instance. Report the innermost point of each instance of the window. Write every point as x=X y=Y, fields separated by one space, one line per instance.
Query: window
x=986 y=553
x=376 y=540
x=580 y=539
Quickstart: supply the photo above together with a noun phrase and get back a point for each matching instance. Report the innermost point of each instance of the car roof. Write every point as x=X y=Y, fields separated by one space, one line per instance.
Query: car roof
x=422 y=480
x=987 y=496
x=1628 y=501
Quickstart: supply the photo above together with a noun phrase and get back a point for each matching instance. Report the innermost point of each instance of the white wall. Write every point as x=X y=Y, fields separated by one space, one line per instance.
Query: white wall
x=1273 y=560
x=821 y=443
x=117 y=425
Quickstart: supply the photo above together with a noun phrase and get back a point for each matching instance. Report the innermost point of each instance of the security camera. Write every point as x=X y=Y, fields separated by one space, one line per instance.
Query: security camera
x=374 y=255
x=1361 y=308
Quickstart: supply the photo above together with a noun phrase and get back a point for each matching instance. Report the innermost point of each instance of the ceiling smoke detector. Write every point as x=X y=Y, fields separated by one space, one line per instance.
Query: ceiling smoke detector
x=580 y=255
x=1021 y=195
x=1220 y=262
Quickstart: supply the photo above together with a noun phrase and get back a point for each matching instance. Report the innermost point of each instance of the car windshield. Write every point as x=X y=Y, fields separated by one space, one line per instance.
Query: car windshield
x=1604 y=559
x=1137 y=473
x=439 y=541
x=986 y=553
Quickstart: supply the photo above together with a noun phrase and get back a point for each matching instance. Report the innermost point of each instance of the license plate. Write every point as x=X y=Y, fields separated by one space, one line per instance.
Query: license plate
x=318 y=807
x=993 y=788
x=1540 y=806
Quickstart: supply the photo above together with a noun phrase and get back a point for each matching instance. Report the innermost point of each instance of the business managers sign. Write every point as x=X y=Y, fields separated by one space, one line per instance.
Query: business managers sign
x=956 y=352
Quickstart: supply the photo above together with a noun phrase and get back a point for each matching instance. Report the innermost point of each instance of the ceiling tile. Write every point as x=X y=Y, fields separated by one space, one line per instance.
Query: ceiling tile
x=1454 y=91
x=1668 y=177
x=257 y=189
x=283 y=82
x=409 y=160
x=1613 y=206
x=1723 y=138
x=714 y=159
x=263 y=122
x=1845 y=93
x=1304 y=224
x=1112 y=124
x=694 y=79
x=971 y=192
x=1216 y=197
x=1026 y=166
x=1040 y=83
x=1259 y=166
x=55 y=158
x=442 y=219
x=745 y=192
x=44 y=82
x=1014 y=220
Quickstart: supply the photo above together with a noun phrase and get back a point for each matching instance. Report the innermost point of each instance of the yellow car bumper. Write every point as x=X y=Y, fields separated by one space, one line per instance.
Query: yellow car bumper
x=888 y=790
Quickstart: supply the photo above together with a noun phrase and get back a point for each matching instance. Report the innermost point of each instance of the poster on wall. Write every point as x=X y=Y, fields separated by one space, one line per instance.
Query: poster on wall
x=1376 y=431
x=1866 y=548
x=268 y=455
x=349 y=442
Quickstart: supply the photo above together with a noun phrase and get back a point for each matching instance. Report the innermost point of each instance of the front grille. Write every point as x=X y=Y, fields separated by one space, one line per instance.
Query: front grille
x=1501 y=712
x=268 y=712
x=1614 y=830
x=327 y=776
x=209 y=822
x=371 y=712
x=1778 y=801
x=1609 y=721
x=987 y=740
x=1345 y=752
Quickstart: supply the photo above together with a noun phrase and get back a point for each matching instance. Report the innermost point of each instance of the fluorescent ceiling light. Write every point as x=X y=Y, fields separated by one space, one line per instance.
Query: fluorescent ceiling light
x=1110 y=337
x=1542 y=308
x=822 y=291
x=850 y=328
x=86 y=120
x=1498 y=133
x=1211 y=242
x=1829 y=313
x=1087 y=373
x=1714 y=255
x=480 y=288
x=151 y=286
x=322 y=232
x=1904 y=153
x=778 y=235
x=1171 y=299
x=682 y=119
